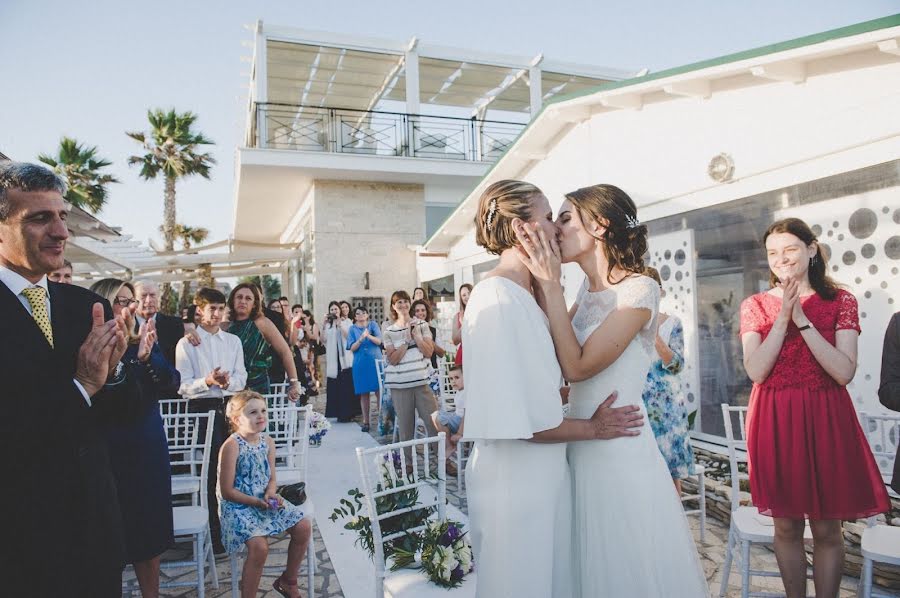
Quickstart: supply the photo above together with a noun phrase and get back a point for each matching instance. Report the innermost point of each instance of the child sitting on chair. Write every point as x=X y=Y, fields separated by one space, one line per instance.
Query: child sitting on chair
x=452 y=423
x=249 y=508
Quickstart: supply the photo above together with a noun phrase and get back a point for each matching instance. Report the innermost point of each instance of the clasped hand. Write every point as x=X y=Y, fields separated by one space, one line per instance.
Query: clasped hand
x=101 y=351
x=540 y=254
x=791 y=309
x=219 y=378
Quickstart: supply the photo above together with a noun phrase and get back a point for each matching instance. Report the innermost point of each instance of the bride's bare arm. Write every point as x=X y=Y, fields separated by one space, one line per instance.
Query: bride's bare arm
x=606 y=423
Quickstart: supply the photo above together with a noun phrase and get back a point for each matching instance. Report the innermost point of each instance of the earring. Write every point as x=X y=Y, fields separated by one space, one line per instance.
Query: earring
x=813 y=260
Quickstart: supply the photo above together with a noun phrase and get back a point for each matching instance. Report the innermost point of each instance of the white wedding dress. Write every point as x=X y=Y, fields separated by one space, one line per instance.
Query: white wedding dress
x=519 y=492
x=630 y=535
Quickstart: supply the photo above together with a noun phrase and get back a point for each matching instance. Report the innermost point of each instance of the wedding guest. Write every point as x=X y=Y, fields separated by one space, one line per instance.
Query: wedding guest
x=169 y=329
x=808 y=455
x=138 y=449
x=289 y=332
x=316 y=346
x=364 y=340
x=62 y=275
x=664 y=399
x=211 y=371
x=260 y=339
x=249 y=507
x=452 y=423
x=889 y=389
x=61 y=366
x=421 y=310
x=408 y=345
x=419 y=294
x=464 y=291
x=341 y=402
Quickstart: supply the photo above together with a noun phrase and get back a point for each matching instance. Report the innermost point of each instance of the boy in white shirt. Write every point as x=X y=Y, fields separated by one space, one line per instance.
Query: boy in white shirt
x=452 y=423
x=210 y=373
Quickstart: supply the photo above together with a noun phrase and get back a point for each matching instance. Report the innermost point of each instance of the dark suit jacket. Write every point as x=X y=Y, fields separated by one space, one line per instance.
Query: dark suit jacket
x=169 y=331
x=889 y=390
x=60 y=503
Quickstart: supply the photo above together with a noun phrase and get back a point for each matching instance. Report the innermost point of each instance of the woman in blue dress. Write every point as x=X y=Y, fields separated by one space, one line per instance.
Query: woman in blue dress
x=138 y=450
x=664 y=399
x=364 y=339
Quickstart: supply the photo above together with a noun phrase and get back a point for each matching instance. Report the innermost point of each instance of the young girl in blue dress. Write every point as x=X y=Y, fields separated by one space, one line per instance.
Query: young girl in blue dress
x=249 y=508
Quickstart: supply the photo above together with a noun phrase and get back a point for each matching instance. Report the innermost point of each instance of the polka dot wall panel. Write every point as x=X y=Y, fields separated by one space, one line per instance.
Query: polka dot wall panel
x=860 y=236
x=672 y=254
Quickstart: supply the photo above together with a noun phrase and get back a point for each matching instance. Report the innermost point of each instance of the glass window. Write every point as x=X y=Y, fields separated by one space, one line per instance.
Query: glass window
x=855 y=215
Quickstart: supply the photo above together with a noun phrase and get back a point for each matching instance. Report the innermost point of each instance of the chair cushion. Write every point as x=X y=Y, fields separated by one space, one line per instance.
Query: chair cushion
x=408 y=583
x=755 y=527
x=189 y=520
x=185 y=485
x=882 y=544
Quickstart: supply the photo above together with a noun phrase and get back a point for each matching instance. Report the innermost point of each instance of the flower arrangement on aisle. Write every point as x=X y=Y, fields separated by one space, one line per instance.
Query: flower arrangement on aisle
x=440 y=549
x=318 y=427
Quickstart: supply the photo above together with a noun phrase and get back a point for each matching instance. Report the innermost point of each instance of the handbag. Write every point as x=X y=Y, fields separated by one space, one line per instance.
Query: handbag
x=293 y=493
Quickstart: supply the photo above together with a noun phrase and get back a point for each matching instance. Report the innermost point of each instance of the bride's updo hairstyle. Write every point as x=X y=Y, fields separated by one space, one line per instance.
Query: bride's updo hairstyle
x=502 y=202
x=625 y=238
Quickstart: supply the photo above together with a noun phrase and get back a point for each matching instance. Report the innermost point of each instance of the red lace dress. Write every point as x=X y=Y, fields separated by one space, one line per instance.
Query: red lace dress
x=808 y=455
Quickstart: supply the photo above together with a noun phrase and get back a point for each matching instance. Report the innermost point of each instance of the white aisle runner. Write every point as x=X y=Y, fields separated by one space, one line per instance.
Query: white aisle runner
x=333 y=470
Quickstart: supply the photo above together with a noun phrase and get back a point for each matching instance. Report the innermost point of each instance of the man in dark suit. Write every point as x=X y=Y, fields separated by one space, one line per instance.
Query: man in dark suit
x=889 y=390
x=169 y=329
x=60 y=369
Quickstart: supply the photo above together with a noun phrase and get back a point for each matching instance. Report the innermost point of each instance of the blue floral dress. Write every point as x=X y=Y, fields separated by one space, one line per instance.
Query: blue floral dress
x=242 y=522
x=665 y=405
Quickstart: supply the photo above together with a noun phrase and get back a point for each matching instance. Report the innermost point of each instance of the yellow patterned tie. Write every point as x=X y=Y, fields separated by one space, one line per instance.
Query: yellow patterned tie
x=36 y=298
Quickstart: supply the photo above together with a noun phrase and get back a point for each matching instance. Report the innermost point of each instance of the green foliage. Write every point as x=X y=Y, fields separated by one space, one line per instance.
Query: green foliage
x=80 y=166
x=171 y=146
x=692 y=416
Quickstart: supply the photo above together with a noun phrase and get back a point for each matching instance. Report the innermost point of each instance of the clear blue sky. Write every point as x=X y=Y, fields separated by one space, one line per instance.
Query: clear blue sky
x=91 y=69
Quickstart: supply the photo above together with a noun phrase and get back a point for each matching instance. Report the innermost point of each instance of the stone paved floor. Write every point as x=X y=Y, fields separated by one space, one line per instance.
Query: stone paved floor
x=712 y=553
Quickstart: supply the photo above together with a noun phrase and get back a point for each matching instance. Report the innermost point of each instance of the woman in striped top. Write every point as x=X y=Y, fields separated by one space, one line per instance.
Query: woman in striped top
x=409 y=345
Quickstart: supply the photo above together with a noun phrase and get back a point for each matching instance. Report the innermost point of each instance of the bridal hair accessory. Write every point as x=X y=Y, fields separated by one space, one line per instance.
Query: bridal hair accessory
x=631 y=221
x=492 y=210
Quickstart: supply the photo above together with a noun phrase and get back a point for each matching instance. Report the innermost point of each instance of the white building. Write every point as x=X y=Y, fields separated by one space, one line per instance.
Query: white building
x=358 y=148
x=713 y=153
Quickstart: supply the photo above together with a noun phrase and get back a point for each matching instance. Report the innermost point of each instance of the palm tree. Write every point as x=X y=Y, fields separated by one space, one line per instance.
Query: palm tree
x=171 y=149
x=80 y=167
x=187 y=235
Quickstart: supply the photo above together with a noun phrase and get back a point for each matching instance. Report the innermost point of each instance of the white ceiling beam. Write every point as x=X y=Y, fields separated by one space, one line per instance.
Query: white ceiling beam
x=698 y=88
x=790 y=72
x=625 y=101
x=890 y=46
x=573 y=115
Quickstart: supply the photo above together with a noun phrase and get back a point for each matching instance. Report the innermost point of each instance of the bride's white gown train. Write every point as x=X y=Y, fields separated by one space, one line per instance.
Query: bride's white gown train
x=630 y=535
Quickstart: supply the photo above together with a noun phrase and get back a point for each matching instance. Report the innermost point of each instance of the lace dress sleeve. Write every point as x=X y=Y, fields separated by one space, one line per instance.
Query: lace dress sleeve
x=752 y=318
x=640 y=292
x=848 y=312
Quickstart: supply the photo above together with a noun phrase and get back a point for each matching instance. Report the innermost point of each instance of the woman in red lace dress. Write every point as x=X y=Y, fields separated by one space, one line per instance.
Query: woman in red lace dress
x=809 y=458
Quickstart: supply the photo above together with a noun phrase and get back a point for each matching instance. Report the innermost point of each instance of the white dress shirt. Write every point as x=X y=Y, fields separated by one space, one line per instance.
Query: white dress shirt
x=17 y=283
x=221 y=350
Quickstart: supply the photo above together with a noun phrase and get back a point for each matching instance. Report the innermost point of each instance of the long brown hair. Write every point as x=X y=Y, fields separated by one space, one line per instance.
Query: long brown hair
x=257 y=301
x=624 y=238
x=822 y=284
x=465 y=285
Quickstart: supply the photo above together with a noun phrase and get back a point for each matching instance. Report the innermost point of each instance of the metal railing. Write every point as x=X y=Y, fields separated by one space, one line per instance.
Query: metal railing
x=339 y=130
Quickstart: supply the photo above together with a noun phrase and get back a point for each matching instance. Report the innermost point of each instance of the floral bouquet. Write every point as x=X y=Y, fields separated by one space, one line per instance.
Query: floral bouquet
x=318 y=427
x=446 y=555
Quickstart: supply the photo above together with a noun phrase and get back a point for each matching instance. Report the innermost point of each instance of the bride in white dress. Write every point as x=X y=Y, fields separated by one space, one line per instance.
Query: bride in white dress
x=630 y=534
x=517 y=480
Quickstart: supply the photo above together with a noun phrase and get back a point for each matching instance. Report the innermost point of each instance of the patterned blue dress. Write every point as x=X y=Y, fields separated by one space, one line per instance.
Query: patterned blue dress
x=242 y=522
x=665 y=405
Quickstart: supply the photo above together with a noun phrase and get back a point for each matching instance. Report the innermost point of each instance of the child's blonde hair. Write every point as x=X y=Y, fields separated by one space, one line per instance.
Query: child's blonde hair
x=236 y=404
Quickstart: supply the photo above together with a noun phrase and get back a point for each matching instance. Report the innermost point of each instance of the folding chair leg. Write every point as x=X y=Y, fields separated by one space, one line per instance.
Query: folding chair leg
x=214 y=573
x=200 y=556
x=865 y=578
x=459 y=466
x=726 y=567
x=235 y=564
x=745 y=569
x=310 y=569
x=701 y=480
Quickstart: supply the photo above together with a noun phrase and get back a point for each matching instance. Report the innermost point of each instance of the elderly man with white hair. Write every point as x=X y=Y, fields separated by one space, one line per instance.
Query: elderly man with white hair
x=169 y=329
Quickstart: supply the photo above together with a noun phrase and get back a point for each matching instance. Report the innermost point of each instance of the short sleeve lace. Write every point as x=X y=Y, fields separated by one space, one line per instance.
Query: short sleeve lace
x=752 y=317
x=848 y=312
x=639 y=292
x=636 y=292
